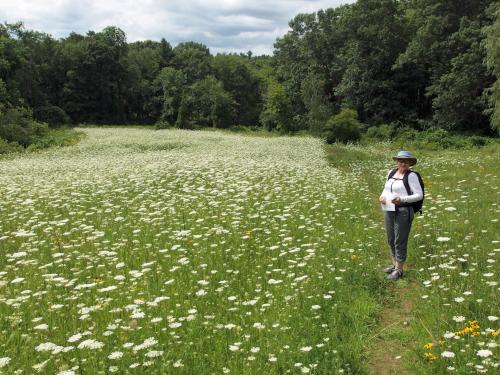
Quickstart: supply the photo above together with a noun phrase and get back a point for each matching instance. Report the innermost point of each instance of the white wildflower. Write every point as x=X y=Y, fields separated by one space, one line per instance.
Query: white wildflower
x=115 y=355
x=90 y=344
x=154 y=353
x=443 y=239
x=178 y=363
x=484 y=353
x=447 y=354
x=146 y=344
x=4 y=361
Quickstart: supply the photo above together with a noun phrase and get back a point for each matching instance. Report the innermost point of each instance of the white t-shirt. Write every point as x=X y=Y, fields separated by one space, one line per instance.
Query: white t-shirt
x=396 y=186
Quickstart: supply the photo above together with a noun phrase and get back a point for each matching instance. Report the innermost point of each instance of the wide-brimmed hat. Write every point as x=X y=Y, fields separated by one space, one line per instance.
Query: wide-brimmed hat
x=406 y=155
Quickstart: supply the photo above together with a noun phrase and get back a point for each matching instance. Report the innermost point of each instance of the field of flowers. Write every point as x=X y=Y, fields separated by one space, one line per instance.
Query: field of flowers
x=141 y=251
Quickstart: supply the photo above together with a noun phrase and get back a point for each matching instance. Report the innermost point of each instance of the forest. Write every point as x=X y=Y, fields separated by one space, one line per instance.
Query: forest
x=374 y=65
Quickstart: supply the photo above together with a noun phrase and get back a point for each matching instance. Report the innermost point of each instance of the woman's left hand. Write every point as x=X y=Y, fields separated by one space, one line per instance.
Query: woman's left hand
x=397 y=201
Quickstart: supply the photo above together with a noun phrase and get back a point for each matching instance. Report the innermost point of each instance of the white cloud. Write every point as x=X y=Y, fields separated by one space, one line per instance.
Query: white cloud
x=224 y=26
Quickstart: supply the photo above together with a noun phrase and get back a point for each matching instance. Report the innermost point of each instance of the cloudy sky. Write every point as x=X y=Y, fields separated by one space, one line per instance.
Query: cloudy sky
x=223 y=25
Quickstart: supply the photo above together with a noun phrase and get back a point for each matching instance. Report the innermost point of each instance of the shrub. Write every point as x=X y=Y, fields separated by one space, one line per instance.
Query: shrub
x=384 y=132
x=17 y=125
x=8 y=147
x=268 y=120
x=437 y=139
x=343 y=127
x=478 y=141
x=52 y=115
x=240 y=129
x=56 y=138
x=163 y=124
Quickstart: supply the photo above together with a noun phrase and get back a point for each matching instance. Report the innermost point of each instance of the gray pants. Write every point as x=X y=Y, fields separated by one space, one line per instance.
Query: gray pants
x=398 y=225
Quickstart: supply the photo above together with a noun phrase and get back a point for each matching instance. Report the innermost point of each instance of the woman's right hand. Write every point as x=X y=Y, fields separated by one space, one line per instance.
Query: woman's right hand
x=382 y=200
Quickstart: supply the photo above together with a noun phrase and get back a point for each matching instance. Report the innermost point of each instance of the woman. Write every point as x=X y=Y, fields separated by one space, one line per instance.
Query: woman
x=398 y=220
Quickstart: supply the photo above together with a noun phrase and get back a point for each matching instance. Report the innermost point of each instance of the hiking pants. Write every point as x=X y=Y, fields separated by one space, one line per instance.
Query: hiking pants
x=398 y=225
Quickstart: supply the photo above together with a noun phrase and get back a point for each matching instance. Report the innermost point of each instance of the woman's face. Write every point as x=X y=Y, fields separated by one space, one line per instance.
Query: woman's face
x=403 y=165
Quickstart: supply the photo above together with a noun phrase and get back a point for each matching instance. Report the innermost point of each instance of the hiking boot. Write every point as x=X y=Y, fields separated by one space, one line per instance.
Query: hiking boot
x=389 y=269
x=396 y=274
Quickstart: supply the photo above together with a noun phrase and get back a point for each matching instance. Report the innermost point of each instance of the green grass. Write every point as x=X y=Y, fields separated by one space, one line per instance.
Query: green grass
x=232 y=254
x=453 y=252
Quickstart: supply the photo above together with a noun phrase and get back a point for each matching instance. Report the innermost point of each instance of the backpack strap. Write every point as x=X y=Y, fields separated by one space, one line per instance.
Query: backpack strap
x=406 y=183
x=392 y=173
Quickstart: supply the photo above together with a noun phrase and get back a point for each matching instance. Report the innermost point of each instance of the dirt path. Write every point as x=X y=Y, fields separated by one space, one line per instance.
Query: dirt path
x=388 y=346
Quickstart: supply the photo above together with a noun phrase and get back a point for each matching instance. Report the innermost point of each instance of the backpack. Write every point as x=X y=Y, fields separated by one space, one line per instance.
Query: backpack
x=417 y=206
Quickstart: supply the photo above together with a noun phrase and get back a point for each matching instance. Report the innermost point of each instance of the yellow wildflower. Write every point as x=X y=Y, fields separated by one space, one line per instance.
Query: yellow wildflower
x=430 y=356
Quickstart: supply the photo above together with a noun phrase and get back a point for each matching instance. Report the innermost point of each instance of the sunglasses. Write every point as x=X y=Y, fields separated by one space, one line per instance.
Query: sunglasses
x=403 y=161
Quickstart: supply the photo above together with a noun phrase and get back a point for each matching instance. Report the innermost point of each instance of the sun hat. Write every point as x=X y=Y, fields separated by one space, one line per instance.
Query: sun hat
x=407 y=156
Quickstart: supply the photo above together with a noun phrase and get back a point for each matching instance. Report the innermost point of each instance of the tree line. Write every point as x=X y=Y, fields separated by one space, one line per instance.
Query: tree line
x=421 y=63
x=415 y=63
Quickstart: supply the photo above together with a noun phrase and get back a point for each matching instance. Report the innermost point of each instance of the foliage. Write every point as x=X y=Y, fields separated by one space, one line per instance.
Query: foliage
x=161 y=125
x=95 y=89
x=367 y=83
x=343 y=127
x=143 y=62
x=492 y=46
x=9 y=147
x=17 y=125
x=19 y=132
x=11 y=60
x=172 y=83
x=243 y=85
x=60 y=137
x=193 y=59
x=209 y=104
x=423 y=63
x=277 y=109
x=52 y=115
x=383 y=132
x=437 y=139
x=430 y=139
x=313 y=89
x=446 y=45
x=457 y=94
x=418 y=62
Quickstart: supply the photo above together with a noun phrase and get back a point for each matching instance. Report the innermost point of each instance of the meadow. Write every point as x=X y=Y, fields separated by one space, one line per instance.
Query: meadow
x=170 y=251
